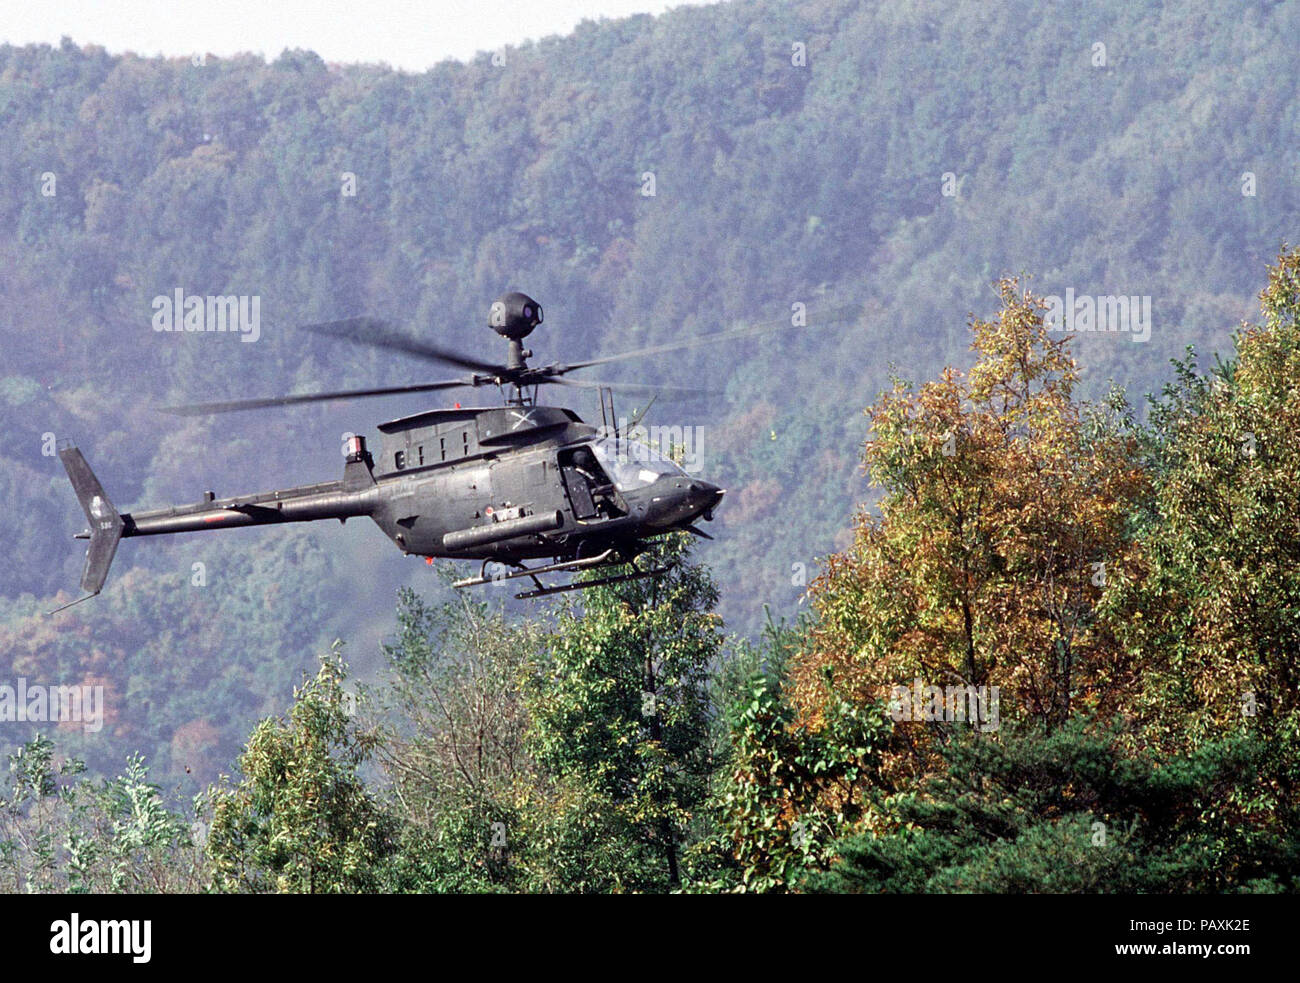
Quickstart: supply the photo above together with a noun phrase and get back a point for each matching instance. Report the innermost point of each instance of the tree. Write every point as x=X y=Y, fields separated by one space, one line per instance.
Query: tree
x=1219 y=591
x=301 y=819
x=1005 y=509
x=620 y=723
x=62 y=831
x=453 y=742
x=1069 y=812
x=784 y=791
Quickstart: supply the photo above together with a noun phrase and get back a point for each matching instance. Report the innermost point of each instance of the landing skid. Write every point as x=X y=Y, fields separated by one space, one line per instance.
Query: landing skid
x=572 y=566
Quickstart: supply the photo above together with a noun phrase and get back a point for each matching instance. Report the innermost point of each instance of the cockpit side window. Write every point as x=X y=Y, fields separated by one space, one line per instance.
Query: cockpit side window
x=591 y=491
x=631 y=464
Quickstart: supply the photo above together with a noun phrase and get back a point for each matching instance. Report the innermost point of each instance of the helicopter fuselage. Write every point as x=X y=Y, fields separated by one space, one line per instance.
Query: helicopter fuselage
x=511 y=483
x=506 y=483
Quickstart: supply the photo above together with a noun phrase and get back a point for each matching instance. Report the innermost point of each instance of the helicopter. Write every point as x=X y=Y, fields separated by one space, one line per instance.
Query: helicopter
x=500 y=485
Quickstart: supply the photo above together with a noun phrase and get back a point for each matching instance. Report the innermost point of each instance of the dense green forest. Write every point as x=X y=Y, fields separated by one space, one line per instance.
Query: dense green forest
x=1060 y=657
x=887 y=162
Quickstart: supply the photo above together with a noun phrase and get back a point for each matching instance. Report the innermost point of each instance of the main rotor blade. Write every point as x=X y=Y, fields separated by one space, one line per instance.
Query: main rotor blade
x=385 y=334
x=631 y=387
x=828 y=316
x=231 y=406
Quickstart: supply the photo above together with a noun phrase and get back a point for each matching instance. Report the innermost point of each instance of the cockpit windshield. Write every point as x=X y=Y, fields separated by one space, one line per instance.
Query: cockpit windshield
x=632 y=464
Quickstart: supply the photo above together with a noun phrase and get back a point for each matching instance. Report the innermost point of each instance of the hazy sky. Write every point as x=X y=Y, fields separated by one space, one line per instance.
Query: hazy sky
x=407 y=34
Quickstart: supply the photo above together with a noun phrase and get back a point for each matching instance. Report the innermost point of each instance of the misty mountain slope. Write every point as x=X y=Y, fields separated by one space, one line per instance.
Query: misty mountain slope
x=797 y=153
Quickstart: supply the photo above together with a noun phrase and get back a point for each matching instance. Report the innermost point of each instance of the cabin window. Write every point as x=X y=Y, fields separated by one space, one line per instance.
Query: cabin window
x=442 y=447
x=399 y=460
x=421 y=451
x=634 y=465
x=464 y=436
x=591 y=493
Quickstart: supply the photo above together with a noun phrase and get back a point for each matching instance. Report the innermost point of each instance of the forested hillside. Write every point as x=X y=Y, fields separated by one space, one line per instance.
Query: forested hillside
x=890 y=159
x=1059 y=658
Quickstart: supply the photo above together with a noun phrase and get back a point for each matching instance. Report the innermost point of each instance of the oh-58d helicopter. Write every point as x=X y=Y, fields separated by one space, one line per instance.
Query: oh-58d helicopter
x=501 y=484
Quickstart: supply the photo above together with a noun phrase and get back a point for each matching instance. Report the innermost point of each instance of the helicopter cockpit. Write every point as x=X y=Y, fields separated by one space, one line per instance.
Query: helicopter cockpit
x=632 y=464
x=598 y=473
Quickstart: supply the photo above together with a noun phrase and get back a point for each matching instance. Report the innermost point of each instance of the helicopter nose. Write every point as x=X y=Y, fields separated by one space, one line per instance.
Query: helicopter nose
x=679 y=500
x=705 y=497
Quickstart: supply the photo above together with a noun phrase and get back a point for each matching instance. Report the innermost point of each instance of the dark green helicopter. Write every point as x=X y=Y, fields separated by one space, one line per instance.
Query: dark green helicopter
x=498 y=485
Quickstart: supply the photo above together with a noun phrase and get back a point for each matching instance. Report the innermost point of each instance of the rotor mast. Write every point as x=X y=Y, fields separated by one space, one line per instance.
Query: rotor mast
x=514 y=317
x=517 y=365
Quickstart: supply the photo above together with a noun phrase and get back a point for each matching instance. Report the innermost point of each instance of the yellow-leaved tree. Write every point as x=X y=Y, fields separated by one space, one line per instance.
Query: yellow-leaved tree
x=1004 y=511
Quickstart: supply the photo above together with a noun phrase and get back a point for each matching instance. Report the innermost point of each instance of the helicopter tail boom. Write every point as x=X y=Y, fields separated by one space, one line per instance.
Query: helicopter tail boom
x=357 y=494
x=306 y=503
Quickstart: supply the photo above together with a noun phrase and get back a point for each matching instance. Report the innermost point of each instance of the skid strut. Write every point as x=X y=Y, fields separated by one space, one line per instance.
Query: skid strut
x=604 y=559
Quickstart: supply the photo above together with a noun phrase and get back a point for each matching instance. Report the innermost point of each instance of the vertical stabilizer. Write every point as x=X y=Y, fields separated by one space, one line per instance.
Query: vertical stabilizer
x=105 y=522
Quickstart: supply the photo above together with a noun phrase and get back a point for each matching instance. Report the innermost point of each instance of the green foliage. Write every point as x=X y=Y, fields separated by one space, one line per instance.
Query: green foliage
x=619 y=714
x=301 y=819
x=559 y=757
x=784 y=791
x=1219 y=590
x=62 y=831
x=215 y=659
x=451 y=740
x=1069 y=812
